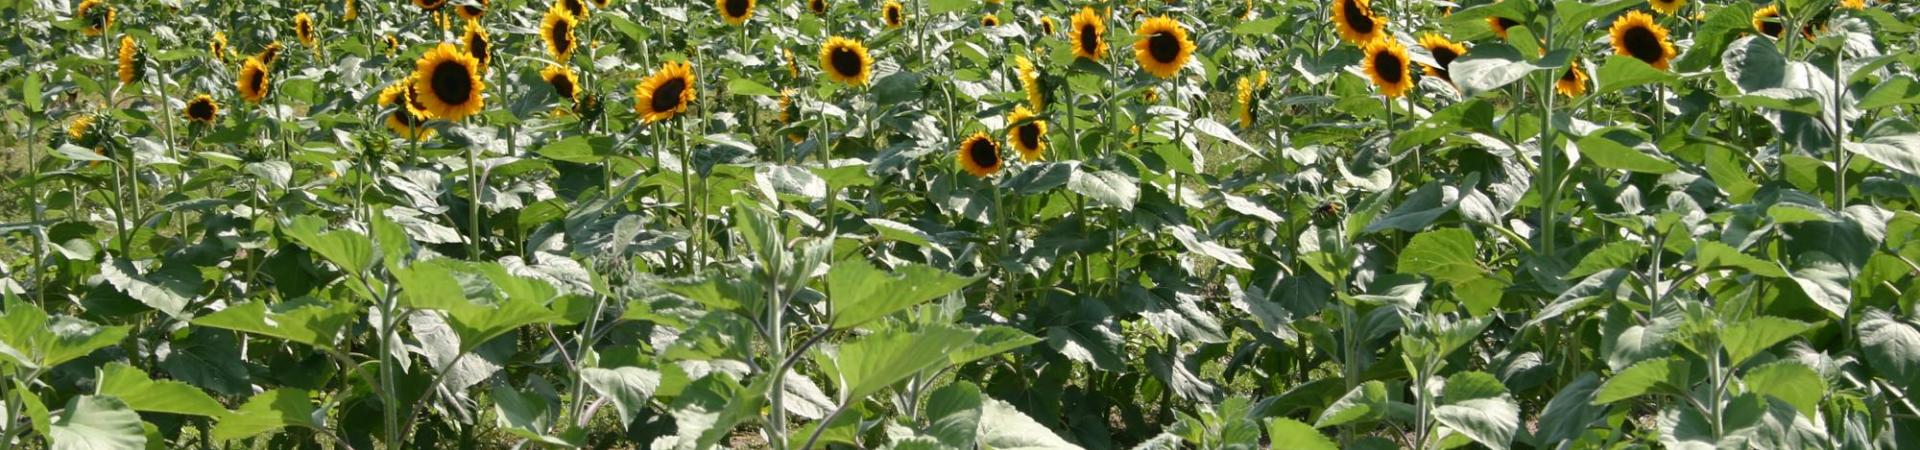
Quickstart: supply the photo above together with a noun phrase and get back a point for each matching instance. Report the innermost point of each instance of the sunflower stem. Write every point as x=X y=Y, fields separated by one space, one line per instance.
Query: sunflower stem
x=1549 y=180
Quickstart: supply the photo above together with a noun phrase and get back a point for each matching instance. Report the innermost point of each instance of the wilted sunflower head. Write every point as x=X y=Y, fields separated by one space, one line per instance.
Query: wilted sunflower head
x=735 y=12
x=557 y=30
x=817 y=7
x=1667 y=7
x=980 y=155
x=666 y=93
x=201 y=109
x=1573 y=82
x=408 y=119
x=1636 y=35
x=893 y=13
x=1089 y=34
x=1162 y=47
x=564 y=83
x=1243 y=92
x=478 y=44
x=98 y=16
x=846 y=61
x=1386 y=63
x=1031 y=83
x=472 y=9
x=1444 y=52
x=254 y=80
x=1027 y=134
x=303 y=29
x=447 y=81
x=133 y=63
x=1356 y=22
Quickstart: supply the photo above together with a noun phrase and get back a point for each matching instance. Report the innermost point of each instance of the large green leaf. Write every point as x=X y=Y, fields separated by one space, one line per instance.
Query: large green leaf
x=92 y=422
x=352 y=251
x=1478 y=406
x=266 y=412
x=1891 y=347
x=873 y=362
x=1745 y=339
x=1607 y=151
x=861 y=293
x=1293 y=434
x=1488 y=67
x=954 y=414
x=1368 y=401
x=1446 y=254
x=31 y=340
x=1621 y=72
x=1790 y=381
x=1570 y=412
x=628 y=387
x=305 y=321
x=167 y=291
x=1901 y=153
x=1648 y=377
x=1003 y=427
x=144 y=394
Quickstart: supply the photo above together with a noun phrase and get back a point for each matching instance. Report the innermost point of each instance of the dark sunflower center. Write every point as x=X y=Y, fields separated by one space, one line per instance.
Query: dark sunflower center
x=1163 y=46
x=1771 y=26
x=818 y=6
x=893 y=15
x=452 y=83
x=413 y=98
x=1046 y=27
x=1089 y=39
x=1569 y=76
x=1387 y=65
x=562 y=86
x=477 y=46
x=1444 y=56
x=1643 y=44
x=258 y=80
x=667 y=96
x=473 y=10
x=200 y=110
x=737 y=8
x=845 y=62
x=1360 y=20
x=305 y=29
x=577 y=7
x=1029 y=135
x=562 y=36
x=1505 y=23
x=983 y=152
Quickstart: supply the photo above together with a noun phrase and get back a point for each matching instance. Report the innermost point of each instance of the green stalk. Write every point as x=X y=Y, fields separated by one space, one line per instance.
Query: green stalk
x=1839 y=135
x=1549 y=180
x=473 y=208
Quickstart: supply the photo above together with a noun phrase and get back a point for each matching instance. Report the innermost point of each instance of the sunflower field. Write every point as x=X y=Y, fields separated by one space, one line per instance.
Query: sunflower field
x=959 y=224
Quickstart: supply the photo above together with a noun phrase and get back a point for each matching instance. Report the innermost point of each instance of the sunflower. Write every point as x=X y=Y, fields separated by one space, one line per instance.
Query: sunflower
x=1030 y=82
x=1855 y=5
x=1046 y=26
x=1667 y=7
x=735 y=12
x=1027 y=134
x=980 y=155
x=893 y=13
x=271 y=54
x=578 y=8
x=79 y=126
x=479 y=46
x=1767 y=21
x=218 y=46
x=1573 y=82
x=1635 y=34
x=1387 y=65
x=1137 y=13
x=1444 y=52
x=407 y=118
x=557 y=30
x=1150 y=96
x=430 y=5
x=350 y=11
x=1162 y=48
x=602 y=4
x=666 y=93
x=254 y=80
x=1089 y=32
x=990 y=20
x=393 y=44
x=97 y=14
x=846 y=61
x=303 y=29
x=447 y=81
x=473 y=9
x=787 y=112
x=818 y=7
x=1243 y=91
x=133 y=64
x=1500 y=25
x=793 y=64
x=1356 y=22
x=564 y=83
x=202 y=109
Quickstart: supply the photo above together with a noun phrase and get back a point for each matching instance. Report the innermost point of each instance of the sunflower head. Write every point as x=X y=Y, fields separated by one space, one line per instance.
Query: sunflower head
x=218 y=46
x=602 y=4
x=1030 y=81
x=133 y=63
x=1243 y=91
x=557 y=30
x=429 y=5
x=349 y=11
x=789 y=110
x=1667 y=7
x=1573 y=82
x=1162 y=47
x=893 y=13
x=407 y=119
x=303 y=29
x=564 y=83
x=1444 y=52
x=1500 y=25
x=1855 y=5
x=1150 y=96
x=735 y=12
x=1089 y=34
x=393 y=44
x=817 y=7
x=990 y=20
x=1386 y=63
x=201 y=109
x=447 y=82
x=1767 y=21
x=472 y=9
x=578 y=8
x=793 y=63
x=980 y=155
x=1027 y=134
x=271 y=54
x=80 y=128
x=1635 y=34
x=254 y=80
x=666 y=93
x=98 y=16
x=846 y=61
x=1356 y=22
x=478 y=44
x=1046 y=26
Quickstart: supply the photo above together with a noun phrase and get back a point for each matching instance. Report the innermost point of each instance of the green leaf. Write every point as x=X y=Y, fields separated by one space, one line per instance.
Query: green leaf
x=1489 y=67
x=873 y=362
x=1003 y=427
x=1445 y=254
x=1621 y=72
x=352 y=251
x=1648 y=377
x=267 y=412
x=1713 y=35
x=31 y=340
x=1790 y=381
x=628 y=387
x=1420 y=209
x=992 y=340
x=1285 y=433
x=1610 y=256
x=1570 y=412
x=748 y=87
x=1824 y=280
x=1900 y=90
x=579 y=149
x=1490 y=421
x=863 y=293
x=167 y=291
x=1745 y=339
x=1901 y=153
x=1892 y=347
x=146 y=395
x=78 y=153
x=1111 y=188
x=1609 y=153
x=1368 y=401
x=1715 y=255
x=305 y=321
x=92 y=422
x=954 y=412
x=1802 y=101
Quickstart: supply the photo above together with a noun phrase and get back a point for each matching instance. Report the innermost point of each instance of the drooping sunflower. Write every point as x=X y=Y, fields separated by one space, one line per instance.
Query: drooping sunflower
x=817 y=7
x=1635 y=35
x=1030 y=82
x=429 y=5
x=1388 y=66
x=1027 y=133
x=980 y=155
x=1046 y=26
x=303 y=29
x=254 y=80
x=1767 y=21
x=201 y=109
x=666 y=93
x=846 y=61
x=1163 y=47
x=788 y=110
x=472 y=9
x=1356 y=22
x=1243 y=92
x=1500 y=25
x=564 y=83
x=1667 y=7
x=478 y=44
x=893 y=13
x=79 y=127
x=271 y=54
x=133 y=64
x=1573 y=82
x=98 y=16
x=990 y=20
x=1444 y=52
x=447 y=82
x=578 y=8
x=1089 y=35
x=735 y=12
x=218 y=46
x=557 y=30
x=407 y=119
